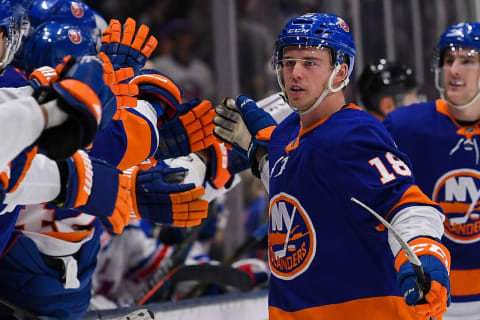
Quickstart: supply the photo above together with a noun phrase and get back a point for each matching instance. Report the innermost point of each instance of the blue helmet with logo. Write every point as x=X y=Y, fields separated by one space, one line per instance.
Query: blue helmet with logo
x=66 y=11
x=63 y=11
x=465 y=34
x=52 y=41
x=14 y=21
x=318 y=30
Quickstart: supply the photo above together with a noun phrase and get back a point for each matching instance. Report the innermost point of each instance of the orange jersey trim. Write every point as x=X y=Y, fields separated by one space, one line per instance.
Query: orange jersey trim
x=412 y=195
x=442 y=107
x=465 y=282
x=28 y=163
x=69 y=236
x=138 y=136
x=378 y=308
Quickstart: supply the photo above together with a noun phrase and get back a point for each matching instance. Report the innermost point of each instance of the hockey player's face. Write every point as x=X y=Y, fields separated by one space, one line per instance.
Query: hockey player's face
x=305 y=73
x=461 y=75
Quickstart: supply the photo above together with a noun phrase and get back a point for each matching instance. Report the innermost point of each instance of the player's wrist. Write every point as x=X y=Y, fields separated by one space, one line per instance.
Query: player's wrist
x=53 y=115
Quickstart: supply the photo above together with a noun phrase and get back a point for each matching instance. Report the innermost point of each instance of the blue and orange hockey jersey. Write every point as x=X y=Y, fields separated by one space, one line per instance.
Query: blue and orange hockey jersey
x=327 y=257
x=446 y=162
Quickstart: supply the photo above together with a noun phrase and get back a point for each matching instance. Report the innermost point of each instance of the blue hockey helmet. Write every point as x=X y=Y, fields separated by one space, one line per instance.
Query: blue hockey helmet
x=318 y=30
x=14 y=22
x=52 y=41
x=63 y=11
x=66 y=11
x=464 y=34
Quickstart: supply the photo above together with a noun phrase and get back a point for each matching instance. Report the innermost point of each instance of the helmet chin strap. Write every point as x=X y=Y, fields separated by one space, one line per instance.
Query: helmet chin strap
x=443 y=97
x=325 y=92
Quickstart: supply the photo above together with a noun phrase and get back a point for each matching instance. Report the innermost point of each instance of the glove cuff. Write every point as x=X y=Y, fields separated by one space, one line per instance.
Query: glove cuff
x=132 y=174
x=425 y=246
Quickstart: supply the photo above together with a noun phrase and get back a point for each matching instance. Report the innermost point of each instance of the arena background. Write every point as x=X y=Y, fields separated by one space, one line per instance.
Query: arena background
x=235 y=41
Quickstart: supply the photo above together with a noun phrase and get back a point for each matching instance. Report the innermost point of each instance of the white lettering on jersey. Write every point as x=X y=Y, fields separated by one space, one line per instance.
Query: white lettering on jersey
x=456 y=190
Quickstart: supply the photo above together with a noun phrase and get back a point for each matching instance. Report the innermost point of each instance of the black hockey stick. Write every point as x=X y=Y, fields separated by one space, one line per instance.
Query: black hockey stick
x=258 y=238
x=168 y=267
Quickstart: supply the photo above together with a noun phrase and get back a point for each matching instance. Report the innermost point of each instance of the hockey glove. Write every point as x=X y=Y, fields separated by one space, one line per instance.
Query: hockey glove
x=125 y=93
x=126 y=49
x=159 y=201
x=77 y=94
x=96 y=188
x=257 y=122
x=189 y=131
x=223 y=165
x=43 y=76
x=158 y=89
x=435 y=259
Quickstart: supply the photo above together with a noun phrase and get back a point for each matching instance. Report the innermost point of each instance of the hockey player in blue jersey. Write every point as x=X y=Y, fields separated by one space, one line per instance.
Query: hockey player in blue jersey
x=386 y=85
x=441 y=138
x=329 y=257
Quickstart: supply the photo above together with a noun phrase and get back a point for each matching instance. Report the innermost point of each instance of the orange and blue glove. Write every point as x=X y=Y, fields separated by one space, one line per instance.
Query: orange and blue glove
x=125 y=93
x=191 y=130
x=81 y=93
x=223 y=165
x=93 y=186
x=124 y=47
x=160 y=201
x=435 y=259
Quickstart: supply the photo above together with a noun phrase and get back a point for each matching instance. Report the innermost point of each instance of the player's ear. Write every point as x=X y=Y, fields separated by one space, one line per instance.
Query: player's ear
x=386 y=105
x=341 y=74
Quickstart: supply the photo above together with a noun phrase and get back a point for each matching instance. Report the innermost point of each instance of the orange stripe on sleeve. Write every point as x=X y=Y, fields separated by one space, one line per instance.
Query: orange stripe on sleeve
x=412 y=195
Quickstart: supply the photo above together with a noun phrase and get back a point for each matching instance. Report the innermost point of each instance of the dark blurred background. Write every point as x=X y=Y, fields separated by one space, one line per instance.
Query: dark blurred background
x=229 y=43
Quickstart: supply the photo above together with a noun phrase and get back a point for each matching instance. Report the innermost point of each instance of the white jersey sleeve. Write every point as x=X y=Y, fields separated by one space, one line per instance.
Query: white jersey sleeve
x=21 y=122
x=416 y=221
x=40 y=184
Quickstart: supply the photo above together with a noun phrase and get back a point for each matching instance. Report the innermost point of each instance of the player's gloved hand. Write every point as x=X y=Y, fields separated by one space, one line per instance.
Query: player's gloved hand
x=124 y=47
x=43 y=76
x=435 y=259
x=222 y=164
x=258 y=123
x=159 y=90
x=125 y=93
x=76 y=93
x=97 y=188
x=160 y=201
x=230 y=128
x=189 y=131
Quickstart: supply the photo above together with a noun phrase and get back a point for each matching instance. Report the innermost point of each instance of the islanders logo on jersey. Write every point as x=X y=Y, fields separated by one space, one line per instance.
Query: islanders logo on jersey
x=291 y=237
x=458 y=193
x=75 y=36
x=77 y=9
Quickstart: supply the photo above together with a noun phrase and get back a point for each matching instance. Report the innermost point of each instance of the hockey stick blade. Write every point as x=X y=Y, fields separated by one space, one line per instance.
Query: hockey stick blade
x=412 y=257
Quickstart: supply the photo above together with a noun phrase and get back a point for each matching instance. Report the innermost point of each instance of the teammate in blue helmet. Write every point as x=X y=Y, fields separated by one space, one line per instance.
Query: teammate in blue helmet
x=442 y=139
x=75 y=13
x=328 y=255
x=52 y=41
